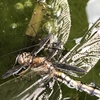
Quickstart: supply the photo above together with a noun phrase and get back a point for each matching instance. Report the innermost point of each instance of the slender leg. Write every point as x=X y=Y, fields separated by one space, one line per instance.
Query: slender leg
x=41 y=45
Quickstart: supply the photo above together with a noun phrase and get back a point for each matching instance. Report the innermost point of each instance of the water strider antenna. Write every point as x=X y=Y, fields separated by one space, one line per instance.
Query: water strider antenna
x=18 y=50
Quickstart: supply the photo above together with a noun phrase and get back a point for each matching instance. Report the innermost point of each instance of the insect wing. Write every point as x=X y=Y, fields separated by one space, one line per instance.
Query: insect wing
x=86 y=54
x=58 y=27
x=19 y=89
x=62 y=23
x=57 y=24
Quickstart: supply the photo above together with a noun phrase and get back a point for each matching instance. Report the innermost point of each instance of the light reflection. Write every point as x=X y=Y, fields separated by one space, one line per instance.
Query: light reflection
x=28 y=4
x=14 y=25
x=19 y=6
x=93 y=11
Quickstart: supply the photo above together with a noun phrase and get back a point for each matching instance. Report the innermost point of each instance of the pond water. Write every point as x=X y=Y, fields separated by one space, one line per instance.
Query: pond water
x=15 y=16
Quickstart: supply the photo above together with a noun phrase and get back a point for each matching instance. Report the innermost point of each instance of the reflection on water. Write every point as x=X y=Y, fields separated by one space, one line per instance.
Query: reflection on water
x=92 y=10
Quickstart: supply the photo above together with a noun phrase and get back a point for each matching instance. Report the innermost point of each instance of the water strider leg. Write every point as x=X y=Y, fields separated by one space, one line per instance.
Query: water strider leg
x=54 y=50
x=41 y=45
x=53 y=44
x=14 y=71
x=53 y=47
x=66 y=67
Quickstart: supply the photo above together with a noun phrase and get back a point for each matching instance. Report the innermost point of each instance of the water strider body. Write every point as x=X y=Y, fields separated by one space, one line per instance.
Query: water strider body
x=44 y=66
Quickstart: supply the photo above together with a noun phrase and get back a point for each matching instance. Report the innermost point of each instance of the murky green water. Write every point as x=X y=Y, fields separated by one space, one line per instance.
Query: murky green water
x=14 y=19
x=14 y=16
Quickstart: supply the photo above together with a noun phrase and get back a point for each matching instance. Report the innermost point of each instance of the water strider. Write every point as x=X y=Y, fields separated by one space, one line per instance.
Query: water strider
x=81 y=59
x=43 y=66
